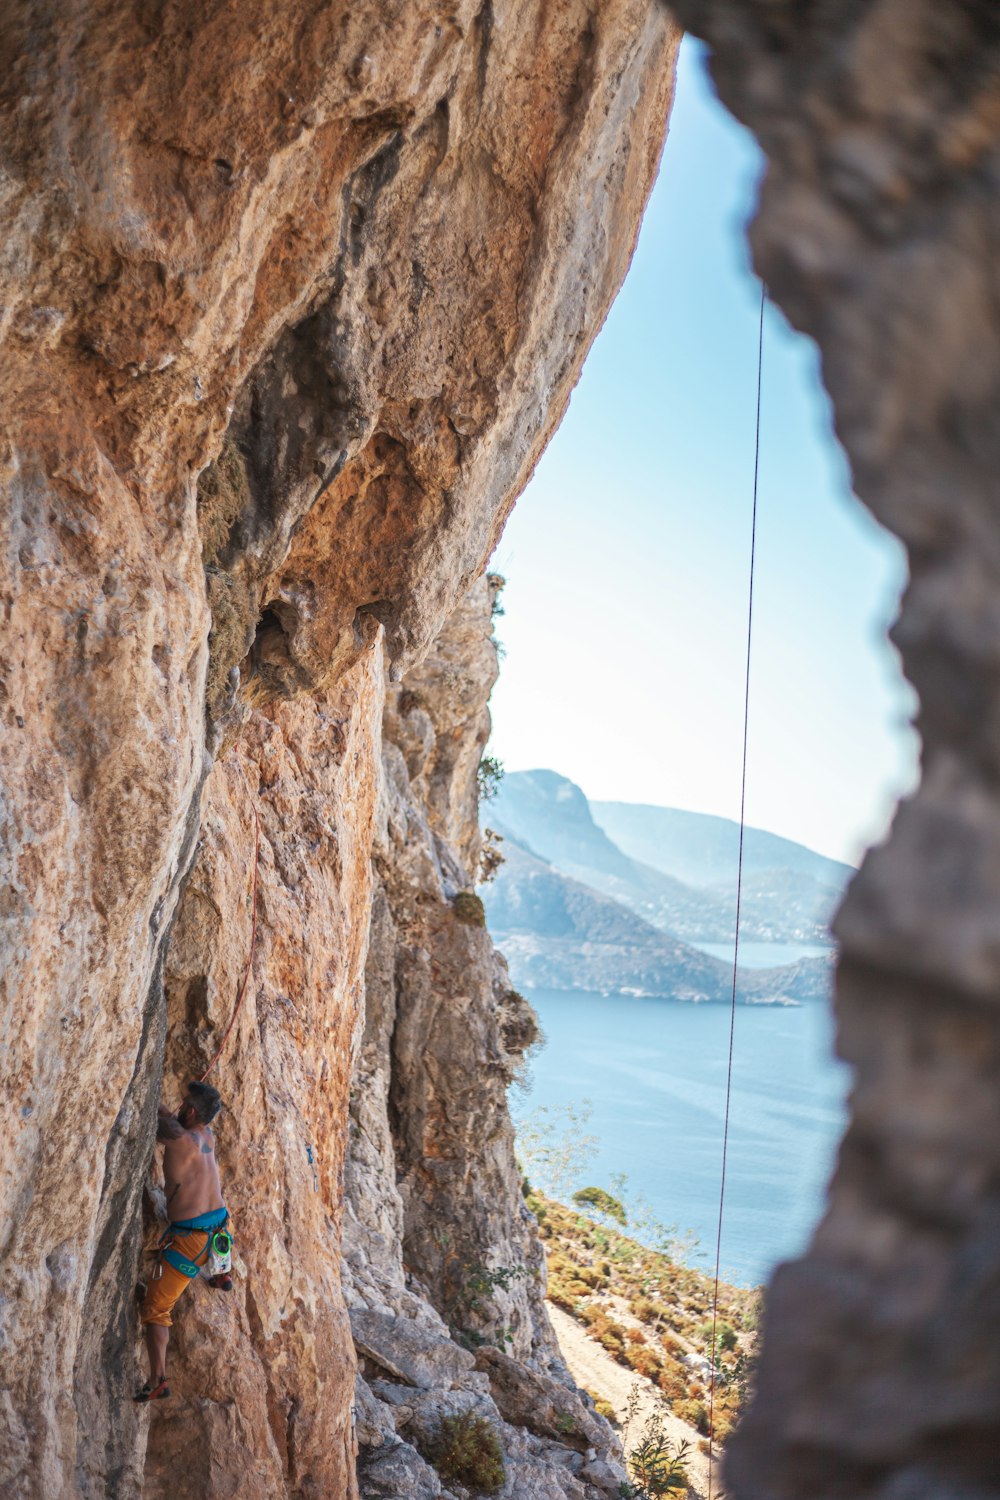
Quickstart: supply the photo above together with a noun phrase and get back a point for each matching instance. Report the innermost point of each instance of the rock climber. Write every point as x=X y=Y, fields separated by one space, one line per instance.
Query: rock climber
x=196 y=1212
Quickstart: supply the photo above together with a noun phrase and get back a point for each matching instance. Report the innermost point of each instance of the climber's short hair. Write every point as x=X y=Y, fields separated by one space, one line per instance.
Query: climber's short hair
x=205 y=1100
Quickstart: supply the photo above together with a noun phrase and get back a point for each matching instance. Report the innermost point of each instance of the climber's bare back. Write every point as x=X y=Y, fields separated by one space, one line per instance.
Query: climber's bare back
x=190 y=1169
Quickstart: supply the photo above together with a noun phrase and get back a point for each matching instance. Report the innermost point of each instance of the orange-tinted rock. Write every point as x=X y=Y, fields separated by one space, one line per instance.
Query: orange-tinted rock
x=366 y=248
x=273 y=1360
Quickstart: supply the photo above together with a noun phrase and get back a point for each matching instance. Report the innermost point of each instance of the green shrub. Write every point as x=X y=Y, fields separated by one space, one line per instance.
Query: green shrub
x=467 y=1451
x=603 y=1202
x=658 y=1467
x=476 y=1290
x=488 y=777
x=643 y=1362
x=469 y=909
x=725 y=1336
x=695 y=1413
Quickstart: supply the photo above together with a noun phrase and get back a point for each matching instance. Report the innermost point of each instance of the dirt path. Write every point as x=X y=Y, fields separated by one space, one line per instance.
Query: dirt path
x=593 y=1367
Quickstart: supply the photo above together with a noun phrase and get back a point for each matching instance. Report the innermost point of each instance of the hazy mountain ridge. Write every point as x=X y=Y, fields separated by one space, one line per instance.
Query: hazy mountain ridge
x=676 y=870
x=702 y=849
x=558 y=933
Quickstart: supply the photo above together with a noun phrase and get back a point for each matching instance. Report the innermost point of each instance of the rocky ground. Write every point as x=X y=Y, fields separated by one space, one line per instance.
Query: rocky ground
x=635 y=1325
x=634 y=1399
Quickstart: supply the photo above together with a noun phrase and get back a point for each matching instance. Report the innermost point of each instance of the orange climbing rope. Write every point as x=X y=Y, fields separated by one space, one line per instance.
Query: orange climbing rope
x=253 y=944
x=739 y=894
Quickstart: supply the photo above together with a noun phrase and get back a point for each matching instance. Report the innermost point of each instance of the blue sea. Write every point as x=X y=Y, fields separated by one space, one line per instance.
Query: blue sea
x=654 y=1073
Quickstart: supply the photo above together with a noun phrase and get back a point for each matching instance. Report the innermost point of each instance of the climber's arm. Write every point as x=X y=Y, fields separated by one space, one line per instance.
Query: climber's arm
x=168 y=1127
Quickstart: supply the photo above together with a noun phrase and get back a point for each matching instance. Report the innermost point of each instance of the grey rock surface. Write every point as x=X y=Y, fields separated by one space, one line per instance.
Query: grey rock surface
x=438 y=1244
x=547 y=1407
x=404 y=1348
x=396 y=1471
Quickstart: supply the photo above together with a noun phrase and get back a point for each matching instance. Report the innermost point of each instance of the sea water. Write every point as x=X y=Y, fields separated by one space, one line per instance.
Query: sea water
x=654 y=1073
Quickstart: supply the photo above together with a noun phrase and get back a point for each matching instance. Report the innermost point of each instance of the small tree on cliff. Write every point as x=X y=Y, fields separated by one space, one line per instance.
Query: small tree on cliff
x=488 y=777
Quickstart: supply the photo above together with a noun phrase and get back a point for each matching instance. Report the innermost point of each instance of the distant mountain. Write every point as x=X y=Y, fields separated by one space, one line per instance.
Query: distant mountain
x=552 y=814
x=789 y=892
x=557 y=933
x=703 y=850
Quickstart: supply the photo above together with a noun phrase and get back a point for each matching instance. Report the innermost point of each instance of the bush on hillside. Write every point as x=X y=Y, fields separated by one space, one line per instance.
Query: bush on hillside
x=603 y=1408
x=694 y=1413
x=725 y=1336
x=467 y=1451
x=672 y=1386
x=658 y=1467
x=643 y=1361
x=643 y=1308
x=603 y=1202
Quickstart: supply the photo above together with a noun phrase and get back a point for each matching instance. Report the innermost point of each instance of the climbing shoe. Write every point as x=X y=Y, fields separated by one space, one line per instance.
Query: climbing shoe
x=222 y=1283
x=152 y=1392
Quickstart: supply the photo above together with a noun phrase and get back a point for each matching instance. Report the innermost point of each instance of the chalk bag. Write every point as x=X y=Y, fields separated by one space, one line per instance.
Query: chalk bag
x=220 y=1254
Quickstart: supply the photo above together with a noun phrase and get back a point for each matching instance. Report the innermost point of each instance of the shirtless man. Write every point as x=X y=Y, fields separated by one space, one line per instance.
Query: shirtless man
x=196 y=1209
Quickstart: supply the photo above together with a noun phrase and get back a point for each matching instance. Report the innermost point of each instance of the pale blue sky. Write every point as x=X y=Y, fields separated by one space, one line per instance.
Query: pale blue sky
x=627 y=557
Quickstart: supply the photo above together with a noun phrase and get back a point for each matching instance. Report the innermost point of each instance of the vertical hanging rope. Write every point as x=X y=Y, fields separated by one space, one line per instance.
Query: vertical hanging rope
x=253 y=944
x=739 y=894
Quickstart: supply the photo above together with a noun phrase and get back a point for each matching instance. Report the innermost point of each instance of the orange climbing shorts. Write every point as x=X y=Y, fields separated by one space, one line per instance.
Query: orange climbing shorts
x=167 y=1283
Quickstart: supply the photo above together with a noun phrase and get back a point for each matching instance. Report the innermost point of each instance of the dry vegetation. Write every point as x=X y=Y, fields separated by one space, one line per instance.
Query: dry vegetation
x=651 y=1314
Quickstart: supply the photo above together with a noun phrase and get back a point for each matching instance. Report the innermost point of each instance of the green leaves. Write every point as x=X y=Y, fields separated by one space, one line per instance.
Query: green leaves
x=657 y=1465
x=595 y=1197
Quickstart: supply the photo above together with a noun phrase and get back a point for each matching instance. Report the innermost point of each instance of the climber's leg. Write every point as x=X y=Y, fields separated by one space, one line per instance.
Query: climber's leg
x=157 y=1339
x=161 y=1295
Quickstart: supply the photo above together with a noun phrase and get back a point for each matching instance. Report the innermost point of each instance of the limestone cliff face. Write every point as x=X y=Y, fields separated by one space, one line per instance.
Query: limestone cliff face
x=440 y=1254
x=291 y=295
x=457 y=1027
x=263 y=1380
